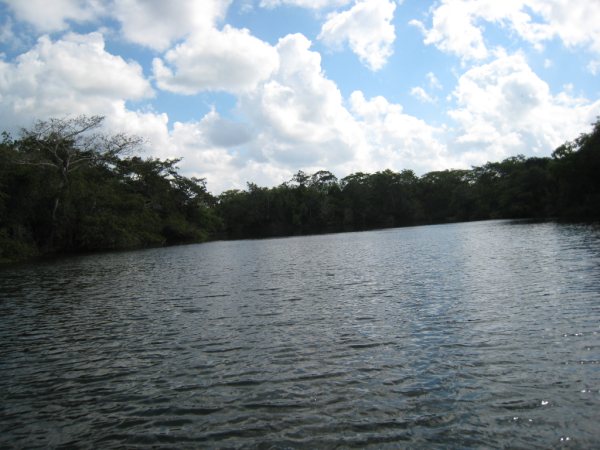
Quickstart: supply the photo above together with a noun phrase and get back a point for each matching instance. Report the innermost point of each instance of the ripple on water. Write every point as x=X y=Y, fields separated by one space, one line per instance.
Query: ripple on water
x=481 y=335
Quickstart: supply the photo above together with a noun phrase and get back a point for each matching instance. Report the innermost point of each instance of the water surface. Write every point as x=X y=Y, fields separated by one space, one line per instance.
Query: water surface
x=470 y=335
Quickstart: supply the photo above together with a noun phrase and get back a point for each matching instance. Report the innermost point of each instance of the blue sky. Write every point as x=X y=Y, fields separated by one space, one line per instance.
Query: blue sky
x=254 y=90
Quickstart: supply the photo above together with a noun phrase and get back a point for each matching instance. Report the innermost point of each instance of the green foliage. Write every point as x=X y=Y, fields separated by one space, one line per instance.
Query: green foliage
x=576 y=172
x=566 y=185
x=65 y=190
x=12 y=249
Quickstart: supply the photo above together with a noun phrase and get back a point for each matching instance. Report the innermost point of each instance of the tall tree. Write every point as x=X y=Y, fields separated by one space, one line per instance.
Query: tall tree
x=67 y=145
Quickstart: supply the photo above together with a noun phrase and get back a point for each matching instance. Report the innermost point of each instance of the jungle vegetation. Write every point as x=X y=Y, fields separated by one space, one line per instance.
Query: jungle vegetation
x=66 y=187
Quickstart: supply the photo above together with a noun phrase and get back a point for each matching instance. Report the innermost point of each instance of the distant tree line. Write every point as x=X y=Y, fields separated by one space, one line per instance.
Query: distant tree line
x=64 y=187
x=566 y=185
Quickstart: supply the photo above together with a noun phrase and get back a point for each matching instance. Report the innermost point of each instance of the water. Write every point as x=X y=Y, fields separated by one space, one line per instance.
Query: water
x=456 y=336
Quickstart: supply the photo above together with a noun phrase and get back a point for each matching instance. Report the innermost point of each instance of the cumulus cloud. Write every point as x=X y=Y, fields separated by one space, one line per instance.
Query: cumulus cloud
x=299 y=120
x=230 y=60
x=312 y=4
x=289 y=115
x=10 y=37
x=206 y=156
x=70 y=76
x=366 y=27
x=207 y=145
x=458 y=26
x=157 y=23
x=48 y=16
x=294 y=119
x=575 y=23
x=398 y=140
x=222 y=132
x=453 y=31
x=76 y=75
x=433 y=81
x=421 y=94
x=201 y=157
x=504 y=108
x=299 y=112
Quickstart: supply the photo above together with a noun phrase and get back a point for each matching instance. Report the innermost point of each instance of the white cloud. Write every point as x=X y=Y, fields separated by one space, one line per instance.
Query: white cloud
x=201 y=157
x=366 y=27
x=420 y=94
x=70 y=76
x=575 y=23
x=75 y=75
x=299 y=120
x=8 y=36
x=299 y=112
x=311 y=4
x=157 y=23
x=505 y=109
x=221 y=132
x=294 y=119
x=433 y=81
x=291 y=116
x=458 y=25
x=398 y=140
x=594 y=67
x=453 y=31
x=223 y=167
x=47 y=16
x=231 y=60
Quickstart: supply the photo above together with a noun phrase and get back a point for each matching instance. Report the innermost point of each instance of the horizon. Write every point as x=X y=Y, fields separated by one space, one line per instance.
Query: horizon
x=254 y=91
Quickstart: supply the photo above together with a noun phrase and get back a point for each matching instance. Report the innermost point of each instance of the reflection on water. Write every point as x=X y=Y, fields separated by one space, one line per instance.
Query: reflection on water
x=467 y=335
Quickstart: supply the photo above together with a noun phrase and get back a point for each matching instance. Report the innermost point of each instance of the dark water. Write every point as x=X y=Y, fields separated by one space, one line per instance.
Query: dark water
x=481 y=335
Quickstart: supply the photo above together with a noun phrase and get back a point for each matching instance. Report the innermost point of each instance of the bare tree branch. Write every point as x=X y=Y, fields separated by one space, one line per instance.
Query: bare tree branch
x=67 y=144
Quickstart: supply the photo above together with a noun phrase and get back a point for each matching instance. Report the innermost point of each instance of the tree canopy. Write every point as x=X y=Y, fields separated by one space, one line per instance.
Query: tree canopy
x=66 y=187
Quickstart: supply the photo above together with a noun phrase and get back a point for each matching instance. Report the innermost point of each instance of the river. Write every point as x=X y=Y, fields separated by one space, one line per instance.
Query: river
x=471 y=335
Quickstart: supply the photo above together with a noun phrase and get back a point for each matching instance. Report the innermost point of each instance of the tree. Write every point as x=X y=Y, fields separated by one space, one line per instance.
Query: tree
x=300 y=179
x=67 y=145
x=575 y=166
x=323 y=180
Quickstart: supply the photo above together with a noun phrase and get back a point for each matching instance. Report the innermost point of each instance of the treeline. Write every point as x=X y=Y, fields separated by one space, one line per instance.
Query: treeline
x=66 y=188
x=567 y=185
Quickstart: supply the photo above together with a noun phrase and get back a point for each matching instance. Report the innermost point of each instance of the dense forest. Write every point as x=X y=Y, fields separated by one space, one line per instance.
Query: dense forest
x=65 y=187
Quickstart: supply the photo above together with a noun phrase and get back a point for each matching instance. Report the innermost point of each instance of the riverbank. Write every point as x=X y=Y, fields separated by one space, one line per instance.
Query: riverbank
x=111 y=201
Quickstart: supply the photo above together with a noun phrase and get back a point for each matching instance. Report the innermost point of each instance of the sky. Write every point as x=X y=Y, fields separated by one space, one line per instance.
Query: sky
x=255 y=90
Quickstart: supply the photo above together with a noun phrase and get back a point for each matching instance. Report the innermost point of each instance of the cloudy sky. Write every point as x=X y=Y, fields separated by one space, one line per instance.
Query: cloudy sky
x=254 y=90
